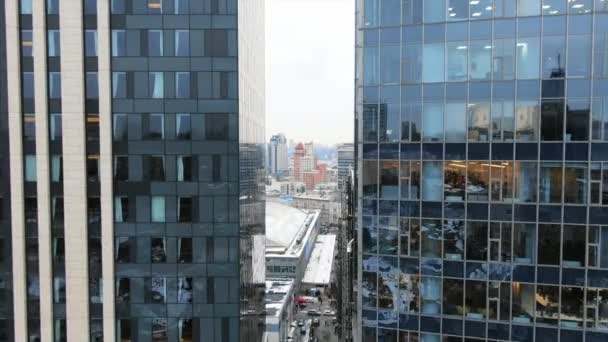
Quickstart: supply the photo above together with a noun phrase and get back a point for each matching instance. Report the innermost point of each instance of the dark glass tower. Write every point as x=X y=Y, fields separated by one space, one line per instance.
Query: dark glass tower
x=133 y=134
x=483 y=170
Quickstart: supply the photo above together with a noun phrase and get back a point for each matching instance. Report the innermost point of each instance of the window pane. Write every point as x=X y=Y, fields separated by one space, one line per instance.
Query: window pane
x=577 y=120
x=90 y=6
x=370 y=178
x=554 y=57
x=479 y=121
x=549 y=241
x=477 y=240
x=550 y=186
x=412 y=63
x=120 y=127
x=182 y=85
x=579 y=56
x=503 y=64
x=600 y=118
x=27 y=80
x=90 y=43
x=182 y=6
x=389 y=180
x=53 y=43
x=525 y=181
x=155 y=43
x=156 y=126
x=118 y=6
x=156 y=85
x=433 y=63
x=182 y=42
x=457 y=61
x=478 y=179
x=389 y=63
x=526 y=120
x=118 y=43
x=480 y=59
x=26 y=6
x=502 y=120
x=528 y=7
x=432 y=181
x=370 y=66
x=434 y=10
x=30 y=168
x=54 y=85
x=458 y=9
x=432 y=124
x=455 y=121
x=92 y=86
x=55 y=126
x=390 y=122
x=575 y=183
x=524 y=243
x=528 y=54
x=552 y=120
x=119 y=85
x=158 y=209
x=454 y=180
x=182 y=126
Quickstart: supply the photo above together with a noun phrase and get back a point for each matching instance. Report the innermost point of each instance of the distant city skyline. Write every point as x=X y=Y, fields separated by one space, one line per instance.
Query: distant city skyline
x=321 y=58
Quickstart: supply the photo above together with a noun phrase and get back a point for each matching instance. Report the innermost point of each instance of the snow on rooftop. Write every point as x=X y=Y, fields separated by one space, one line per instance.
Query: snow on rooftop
x=318 y=270
x=283 y=223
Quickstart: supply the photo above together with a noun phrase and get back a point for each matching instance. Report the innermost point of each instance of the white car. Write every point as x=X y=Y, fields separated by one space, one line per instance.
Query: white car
x=328 y=313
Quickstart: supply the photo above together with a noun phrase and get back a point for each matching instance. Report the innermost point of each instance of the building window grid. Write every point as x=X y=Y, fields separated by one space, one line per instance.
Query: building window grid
x=561 y=251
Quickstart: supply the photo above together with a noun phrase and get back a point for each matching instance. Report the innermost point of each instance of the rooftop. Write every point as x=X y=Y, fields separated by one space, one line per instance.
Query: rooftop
x=318 y=270
x=287 y=227
x=277 y=292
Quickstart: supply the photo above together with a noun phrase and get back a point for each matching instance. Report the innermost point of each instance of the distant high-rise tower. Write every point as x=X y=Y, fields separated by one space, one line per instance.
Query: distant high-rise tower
x=482 y=170
x=277 y=155
x=134 y=131
x=346 y=161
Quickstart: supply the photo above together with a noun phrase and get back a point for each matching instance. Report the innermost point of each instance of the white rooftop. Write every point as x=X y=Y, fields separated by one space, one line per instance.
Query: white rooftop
x=277 y=291
x=283 y=223
x=318 y=270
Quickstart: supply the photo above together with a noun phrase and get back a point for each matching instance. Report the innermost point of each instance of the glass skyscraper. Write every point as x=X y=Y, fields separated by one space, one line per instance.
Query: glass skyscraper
x=483 y=170
x=132 y=132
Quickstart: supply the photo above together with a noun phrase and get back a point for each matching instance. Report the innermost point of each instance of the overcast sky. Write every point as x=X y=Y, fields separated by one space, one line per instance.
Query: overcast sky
x=310 y=69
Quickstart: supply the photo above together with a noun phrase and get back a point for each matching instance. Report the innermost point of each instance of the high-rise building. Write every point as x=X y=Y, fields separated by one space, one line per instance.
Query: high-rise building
x=134 y=130
x=346 y=161
x=483 y=170
x=277 y=155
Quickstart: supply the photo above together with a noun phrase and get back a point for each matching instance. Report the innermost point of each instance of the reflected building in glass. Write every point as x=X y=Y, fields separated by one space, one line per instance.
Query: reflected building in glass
x=133 y=135
x=483 y=170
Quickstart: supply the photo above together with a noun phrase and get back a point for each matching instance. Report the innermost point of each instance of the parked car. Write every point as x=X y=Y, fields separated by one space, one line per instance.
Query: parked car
x=300 y=323
x=303 y=330
x=316 y=321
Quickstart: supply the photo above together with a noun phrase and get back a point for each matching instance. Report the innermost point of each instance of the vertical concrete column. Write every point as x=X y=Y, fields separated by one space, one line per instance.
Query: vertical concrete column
x=42 y=170
x=74 y=167
x=16 y=171
x=105 y=164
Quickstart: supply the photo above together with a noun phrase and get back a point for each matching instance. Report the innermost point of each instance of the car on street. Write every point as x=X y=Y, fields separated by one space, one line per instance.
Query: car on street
x=313 y=313
x=316 y=321
x=300 y=323
x=303 y=330
x=328 y=313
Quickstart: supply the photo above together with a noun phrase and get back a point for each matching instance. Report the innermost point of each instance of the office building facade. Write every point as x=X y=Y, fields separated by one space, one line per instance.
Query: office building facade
x=277 y=155
x=134 y=132
x=482 y=165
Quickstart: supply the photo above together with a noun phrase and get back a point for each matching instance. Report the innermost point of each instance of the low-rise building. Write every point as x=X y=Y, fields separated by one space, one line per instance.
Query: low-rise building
x=327 y=203
x=290 y=239
x=279 y=301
